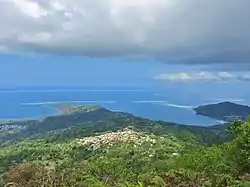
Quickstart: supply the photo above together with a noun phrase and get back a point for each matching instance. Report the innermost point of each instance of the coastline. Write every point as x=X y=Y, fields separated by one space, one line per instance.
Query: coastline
x=57 y=112
x=60 y=108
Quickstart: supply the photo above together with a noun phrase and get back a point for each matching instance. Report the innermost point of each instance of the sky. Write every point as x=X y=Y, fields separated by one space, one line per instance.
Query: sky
x=192 y=44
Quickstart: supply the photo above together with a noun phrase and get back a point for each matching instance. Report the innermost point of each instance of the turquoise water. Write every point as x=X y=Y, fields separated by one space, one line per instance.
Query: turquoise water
x=144 y=103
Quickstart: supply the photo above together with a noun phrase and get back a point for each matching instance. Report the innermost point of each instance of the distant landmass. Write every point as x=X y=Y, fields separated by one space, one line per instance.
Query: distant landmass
x=69 y=108
x=95 y=118
x=226 y=111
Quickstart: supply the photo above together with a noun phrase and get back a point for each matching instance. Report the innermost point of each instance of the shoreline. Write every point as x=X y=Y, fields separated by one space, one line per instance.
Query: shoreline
x=58 y=112
x=61 y=108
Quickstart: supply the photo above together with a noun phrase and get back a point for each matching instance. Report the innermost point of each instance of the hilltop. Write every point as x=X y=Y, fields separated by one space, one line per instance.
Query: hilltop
x=226 y=111
x=68 y=108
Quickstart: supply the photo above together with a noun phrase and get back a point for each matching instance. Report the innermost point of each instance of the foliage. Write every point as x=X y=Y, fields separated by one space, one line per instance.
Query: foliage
x=71 y=125
x=224 y=111
x=148 y=154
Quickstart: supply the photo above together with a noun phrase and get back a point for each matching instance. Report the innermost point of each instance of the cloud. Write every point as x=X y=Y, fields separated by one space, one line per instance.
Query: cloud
x=178 y=31
x=30 y=8
x=245 y=77
x=193 y=76
x=203 y=76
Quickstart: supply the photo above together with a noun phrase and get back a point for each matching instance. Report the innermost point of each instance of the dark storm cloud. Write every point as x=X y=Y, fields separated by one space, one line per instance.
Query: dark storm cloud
x=177 y=31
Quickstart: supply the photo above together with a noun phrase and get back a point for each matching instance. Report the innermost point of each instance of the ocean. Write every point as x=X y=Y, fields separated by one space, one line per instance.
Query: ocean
x=147 y=103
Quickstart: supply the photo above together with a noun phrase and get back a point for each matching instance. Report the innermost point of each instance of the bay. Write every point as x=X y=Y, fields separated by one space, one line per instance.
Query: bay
x=147 y=103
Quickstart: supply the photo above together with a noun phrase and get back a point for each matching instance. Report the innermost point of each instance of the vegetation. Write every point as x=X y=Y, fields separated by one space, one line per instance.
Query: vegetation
x=85 y=121
x=100 y=148
x=226 y=111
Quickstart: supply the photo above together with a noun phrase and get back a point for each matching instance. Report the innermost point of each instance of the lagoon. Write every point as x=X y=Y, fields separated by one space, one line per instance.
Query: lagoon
x=147 y=103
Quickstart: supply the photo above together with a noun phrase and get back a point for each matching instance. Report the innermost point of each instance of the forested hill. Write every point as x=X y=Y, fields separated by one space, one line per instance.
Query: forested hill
x=94 y=147
x=75 y=121
x=224 y=111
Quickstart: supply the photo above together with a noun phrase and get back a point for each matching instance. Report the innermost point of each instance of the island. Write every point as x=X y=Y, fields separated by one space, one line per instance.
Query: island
x=226 y=111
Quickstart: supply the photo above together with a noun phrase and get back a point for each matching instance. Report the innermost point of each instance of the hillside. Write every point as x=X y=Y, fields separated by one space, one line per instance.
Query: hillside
x=74 y=121
x=92 y=146
x=226 y=111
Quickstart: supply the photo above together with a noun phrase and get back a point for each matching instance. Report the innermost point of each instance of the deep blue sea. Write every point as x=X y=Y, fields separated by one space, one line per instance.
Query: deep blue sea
x=155 y=104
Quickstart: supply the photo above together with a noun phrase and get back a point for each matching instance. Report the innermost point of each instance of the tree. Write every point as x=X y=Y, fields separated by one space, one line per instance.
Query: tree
x=240 y=132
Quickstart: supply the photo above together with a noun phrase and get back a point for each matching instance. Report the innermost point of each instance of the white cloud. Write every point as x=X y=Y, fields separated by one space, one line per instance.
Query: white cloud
x=36 y=38
x=30 y=8
x=204 y=76
x=191 y=76
x=181 y=31
x=3 y=48
x=225 y=75
x=245 y=77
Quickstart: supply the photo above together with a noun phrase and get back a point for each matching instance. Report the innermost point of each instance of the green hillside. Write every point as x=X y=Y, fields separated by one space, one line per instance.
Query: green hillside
x=224 y=111
x=96 y=147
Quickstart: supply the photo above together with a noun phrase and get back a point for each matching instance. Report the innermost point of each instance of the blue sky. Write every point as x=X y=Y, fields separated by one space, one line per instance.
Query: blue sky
x=23 y=70
x=75 y=71
x=179 y=82
x=43 y=71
